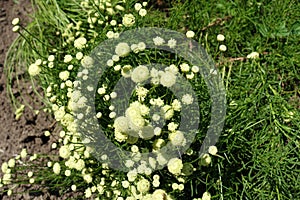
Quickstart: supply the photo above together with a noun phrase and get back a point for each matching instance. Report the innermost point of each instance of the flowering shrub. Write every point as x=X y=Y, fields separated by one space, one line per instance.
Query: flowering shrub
x=148 y=124
x=132 y=127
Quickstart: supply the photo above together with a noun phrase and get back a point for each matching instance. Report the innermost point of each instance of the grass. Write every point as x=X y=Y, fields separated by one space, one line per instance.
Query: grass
x=261 y=137
x=259 y=145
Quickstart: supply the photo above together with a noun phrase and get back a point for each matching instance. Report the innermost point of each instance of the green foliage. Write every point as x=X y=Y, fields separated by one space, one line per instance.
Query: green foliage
x=258 y=154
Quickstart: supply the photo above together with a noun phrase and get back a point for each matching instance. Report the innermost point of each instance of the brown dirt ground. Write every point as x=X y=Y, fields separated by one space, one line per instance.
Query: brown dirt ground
x=28 y=131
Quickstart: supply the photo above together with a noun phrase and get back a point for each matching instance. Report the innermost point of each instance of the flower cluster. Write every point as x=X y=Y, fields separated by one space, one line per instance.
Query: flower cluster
x=139 y=129
x=151 y=121
x=221 y=38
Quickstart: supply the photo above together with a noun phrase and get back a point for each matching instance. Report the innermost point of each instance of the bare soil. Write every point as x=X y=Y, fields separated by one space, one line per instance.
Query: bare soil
x=28 y=131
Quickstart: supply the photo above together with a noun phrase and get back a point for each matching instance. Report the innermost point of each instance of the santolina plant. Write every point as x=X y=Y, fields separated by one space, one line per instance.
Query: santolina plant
x=152 y=117
x=141 y=109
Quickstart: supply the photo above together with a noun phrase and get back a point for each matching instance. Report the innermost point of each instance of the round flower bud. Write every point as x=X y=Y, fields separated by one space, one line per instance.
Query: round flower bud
x=23 y=153
x=222 y=47
x=15 y=21
x=128 y=20
x=64 y=152
x=175 y=165
x=51 y=58
x=137 y=6
x=56 y=168
x=143 y=186
x=206 y=196
x=143 y=12
x=9 y=192
x=110 y=34
x=30 y=174
x=220 y=37
x=68 y=58
x=16 y=28
x=31 y=181
x=73 y=187
x=80 y=43
x=253 y=55
x=190 y=34
x=212 y=150
x=140 y=74
x=47 y=133
x=167 y=79
x=205 y=160
x=79 y=55
x=11 y=163
x=34 y=70
x=122 y=49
